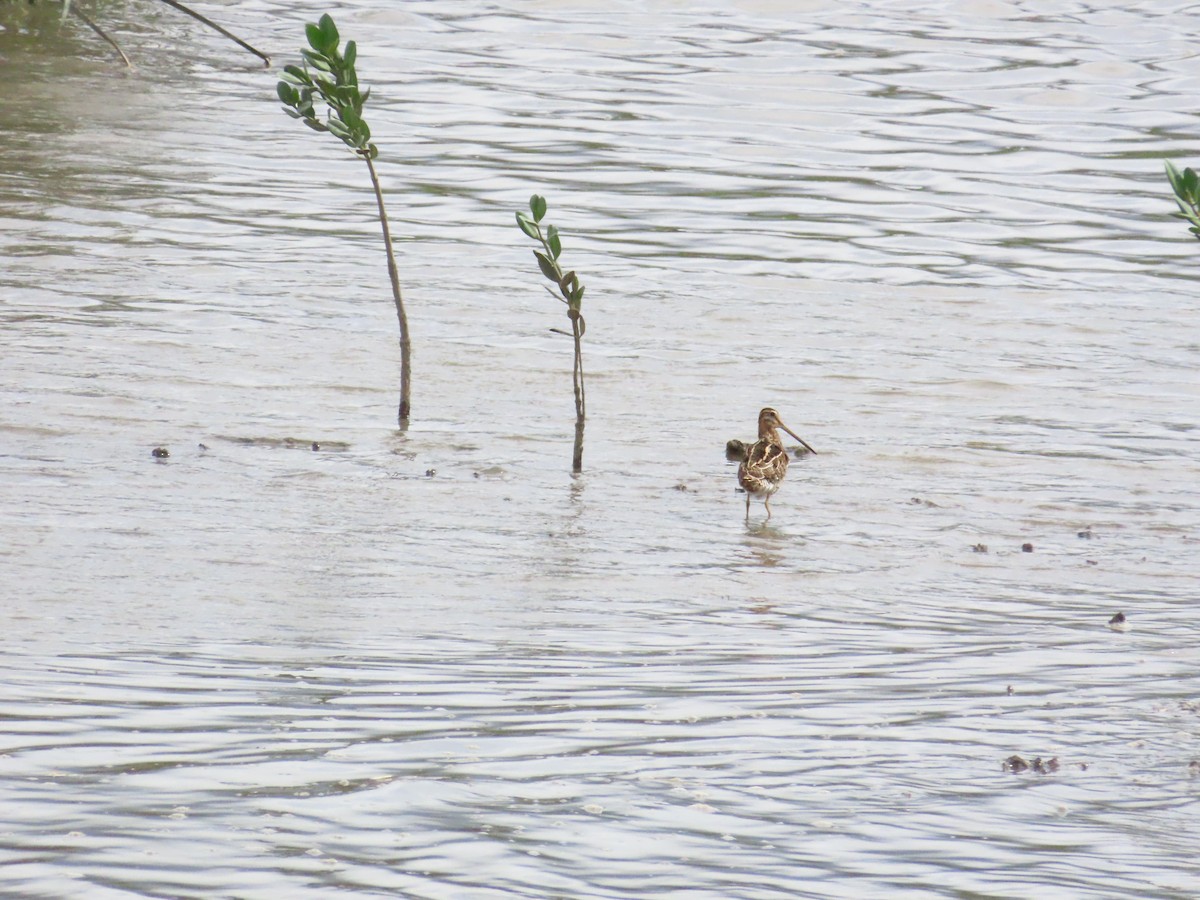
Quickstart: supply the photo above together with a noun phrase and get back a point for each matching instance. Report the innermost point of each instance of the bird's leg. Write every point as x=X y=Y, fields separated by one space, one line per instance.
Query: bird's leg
x=747 y=506
x=767 y=504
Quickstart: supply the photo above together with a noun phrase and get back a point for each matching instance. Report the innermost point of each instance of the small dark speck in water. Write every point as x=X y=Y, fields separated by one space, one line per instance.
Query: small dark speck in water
x=979 y=548
x=1010 y=690
x=1118 y=622
x=429 y=473
x=202 y=447
x=1194 y=768
x=1086 y=533
x=1027 y=548
x=928 y=504
x=1092 y=562
x=160 y=452
x=316 y=446
x=1016 y=764
x=682 y=487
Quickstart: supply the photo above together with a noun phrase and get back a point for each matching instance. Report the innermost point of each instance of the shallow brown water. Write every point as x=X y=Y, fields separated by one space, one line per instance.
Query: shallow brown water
x=435 y=665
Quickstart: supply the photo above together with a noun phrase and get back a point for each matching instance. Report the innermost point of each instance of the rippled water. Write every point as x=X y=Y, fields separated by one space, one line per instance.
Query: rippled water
x=432 y=664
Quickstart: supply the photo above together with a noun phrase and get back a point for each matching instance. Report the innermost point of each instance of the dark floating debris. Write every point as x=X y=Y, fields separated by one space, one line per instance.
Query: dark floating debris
x=1027 y=548
x=160 y=453
x=1086 y=534
x=429 y=473
x=979 y=548
x=1010 y=690
x=1118 y=622
x=286 y=443
x=1194 y=768
x=202 y=447
x=928 y=504
x=1017 y=765
x=1014 y=764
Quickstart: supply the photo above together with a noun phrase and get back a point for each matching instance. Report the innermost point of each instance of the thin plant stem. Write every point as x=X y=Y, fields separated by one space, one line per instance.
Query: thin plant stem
x=175 y=4
x=580 y=398
x=394 y=275
x=100 y=31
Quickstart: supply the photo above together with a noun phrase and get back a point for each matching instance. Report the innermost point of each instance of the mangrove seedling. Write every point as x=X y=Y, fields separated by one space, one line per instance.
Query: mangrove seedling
x=571 y=292
x=1186 y=185
x=328 y=76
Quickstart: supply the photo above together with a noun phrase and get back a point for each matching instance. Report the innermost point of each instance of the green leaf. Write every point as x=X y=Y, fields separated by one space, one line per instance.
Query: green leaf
x=537 y=206
x=338 y=128
x=546 y=265
x=295 y=75
x=316 y=40
x=576 y=297
x=552 y=240
x=329 y=32
x=1173 y=176
x=317 y=60
x=568 y=283
x=1191 y=182
x=527 y=226
x=350 y=54
x=372 y=150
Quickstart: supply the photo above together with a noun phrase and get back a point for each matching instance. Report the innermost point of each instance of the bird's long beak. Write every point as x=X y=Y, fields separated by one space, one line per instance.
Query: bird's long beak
x=797 y=437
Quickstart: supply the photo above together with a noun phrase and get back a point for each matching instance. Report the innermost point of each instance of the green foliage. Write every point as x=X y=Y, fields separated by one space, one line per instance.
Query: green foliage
x=547 y=258
x=328 y=76
x=1186 y=185
x=571 y=292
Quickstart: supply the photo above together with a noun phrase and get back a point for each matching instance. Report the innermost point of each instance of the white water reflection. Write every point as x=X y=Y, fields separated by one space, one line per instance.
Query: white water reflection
x=433 y=665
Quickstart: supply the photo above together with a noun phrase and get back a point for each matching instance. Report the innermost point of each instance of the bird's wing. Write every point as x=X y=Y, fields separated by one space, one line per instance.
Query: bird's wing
x=765 y=462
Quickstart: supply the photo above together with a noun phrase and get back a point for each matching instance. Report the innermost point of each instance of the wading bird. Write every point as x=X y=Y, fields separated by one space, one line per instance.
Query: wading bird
x=761 y=474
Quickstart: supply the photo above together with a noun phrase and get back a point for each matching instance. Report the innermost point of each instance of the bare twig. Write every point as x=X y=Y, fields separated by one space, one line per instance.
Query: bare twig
x=175 y=4
x=100 y=31
x=394 y=275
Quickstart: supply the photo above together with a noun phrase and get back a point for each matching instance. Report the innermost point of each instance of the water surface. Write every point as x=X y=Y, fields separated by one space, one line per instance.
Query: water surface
x=433 y=664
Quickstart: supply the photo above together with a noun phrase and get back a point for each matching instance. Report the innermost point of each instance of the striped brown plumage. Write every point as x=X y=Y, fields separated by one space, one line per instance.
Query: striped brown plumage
x=761 y=473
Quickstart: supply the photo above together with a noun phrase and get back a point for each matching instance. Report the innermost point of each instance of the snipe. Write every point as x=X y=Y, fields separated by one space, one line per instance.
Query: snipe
x=761 y=474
